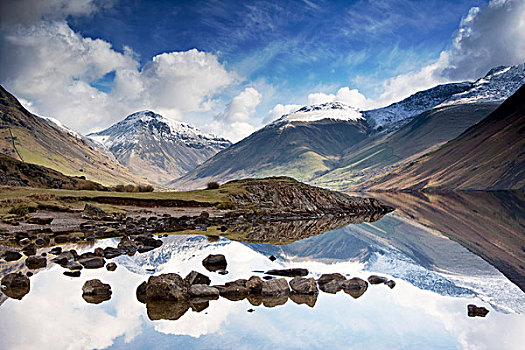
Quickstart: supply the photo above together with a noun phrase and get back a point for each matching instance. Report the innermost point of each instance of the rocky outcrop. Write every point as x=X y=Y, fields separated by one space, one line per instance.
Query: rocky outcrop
x=476 y=311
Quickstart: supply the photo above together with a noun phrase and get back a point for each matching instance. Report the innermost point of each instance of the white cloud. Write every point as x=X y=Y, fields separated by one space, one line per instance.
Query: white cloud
x=54 y=70
x=351 y=97
x=487 y=37
x=279 y=110
x=30 y=11
x=236 y=122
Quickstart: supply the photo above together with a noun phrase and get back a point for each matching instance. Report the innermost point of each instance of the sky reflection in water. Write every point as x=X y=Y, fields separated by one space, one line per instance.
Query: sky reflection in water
x=436 y=279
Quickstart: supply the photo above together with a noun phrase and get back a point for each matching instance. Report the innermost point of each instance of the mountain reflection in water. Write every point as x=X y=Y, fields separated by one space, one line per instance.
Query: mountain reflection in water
x=436 y=278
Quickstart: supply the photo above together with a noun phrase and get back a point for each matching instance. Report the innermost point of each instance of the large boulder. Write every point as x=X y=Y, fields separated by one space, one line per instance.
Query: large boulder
x=203 y=291
x=275 y=287
x=95 y=292
x=15 y=285
x=195 y=277
x=355 y=287
x=301 y=285
x=168 y=286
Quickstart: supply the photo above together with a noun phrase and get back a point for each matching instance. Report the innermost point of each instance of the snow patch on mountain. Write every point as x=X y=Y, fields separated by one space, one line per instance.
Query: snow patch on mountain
x=58 y=125
x=126 y=132
x=495 y=87
x=330 y=110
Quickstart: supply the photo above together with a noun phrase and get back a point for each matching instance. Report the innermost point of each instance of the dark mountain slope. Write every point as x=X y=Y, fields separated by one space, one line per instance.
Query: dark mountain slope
x=488 y=156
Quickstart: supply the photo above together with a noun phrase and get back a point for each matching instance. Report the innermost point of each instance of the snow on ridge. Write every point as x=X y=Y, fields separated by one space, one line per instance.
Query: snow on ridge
x=56 y=123
x=128 y=131
x=330 y=110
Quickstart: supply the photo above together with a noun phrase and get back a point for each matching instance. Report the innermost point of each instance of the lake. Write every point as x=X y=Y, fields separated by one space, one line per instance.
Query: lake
x=444 y=252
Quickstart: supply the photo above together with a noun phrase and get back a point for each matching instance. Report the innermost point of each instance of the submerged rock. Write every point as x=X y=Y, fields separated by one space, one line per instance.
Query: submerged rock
x=300 y=285
x=15 y=285
x=391 y=284
x=234 y=292
x=476 y=311
x=92 y=262
x=75 y=273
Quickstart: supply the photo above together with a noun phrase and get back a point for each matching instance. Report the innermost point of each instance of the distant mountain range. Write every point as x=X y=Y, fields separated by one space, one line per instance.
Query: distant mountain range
x=31 y=139
x=158 y=148
x=335 y=146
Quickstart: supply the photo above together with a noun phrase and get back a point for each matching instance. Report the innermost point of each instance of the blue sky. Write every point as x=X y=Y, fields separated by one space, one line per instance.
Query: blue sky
x=231 y=66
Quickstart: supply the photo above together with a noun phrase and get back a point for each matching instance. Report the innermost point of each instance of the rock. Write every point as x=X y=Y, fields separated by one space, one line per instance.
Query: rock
x=40 y=220
x=72 y=273
x=111 y=266
x=92 y=212
x=64 y=258
x=169 y=286
x=328 y=277
x=61 y=239
x=308 y=299
x=254 y=285
x=255 y=299
x=56 y=251
x=391 y=284
x=293 y=272
x=268 y=278
x=377 y=279
x=167 y=310
x=36 y=262
x=128 y=246
x=240 y=282
x=300 y=285
x=476 y=311
x=73 y=266
x=42 y=240
x=29 y=249
x=110 y=252
x=224 y=228
x=275 y=287
x=355 y=287
x=94 y=262
x=214 y=262
x=24 y=241
x=15 y=285
x=10 y=255
x=195 y=277
x=222 y=272
x=29 y=274
x=250 y=310
x=99 y=252
x=272 y=258
x=234 y=292
x=95 y=292
x=141 y=292
x=203 y=291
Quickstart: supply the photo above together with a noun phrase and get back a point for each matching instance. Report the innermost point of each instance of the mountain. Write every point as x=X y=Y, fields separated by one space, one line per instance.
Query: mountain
x=17 y=173
x=158 y=148
x=488 y=156
x=302 y=145
x=35 y=140
x=319 y=144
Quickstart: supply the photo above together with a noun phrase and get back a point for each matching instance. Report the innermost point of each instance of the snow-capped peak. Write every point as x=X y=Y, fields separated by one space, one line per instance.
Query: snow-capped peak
x=495 y=87
x=330 y=110
x=129 y=129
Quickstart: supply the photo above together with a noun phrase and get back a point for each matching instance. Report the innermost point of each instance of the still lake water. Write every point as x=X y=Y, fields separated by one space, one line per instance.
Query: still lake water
x=416 y=246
